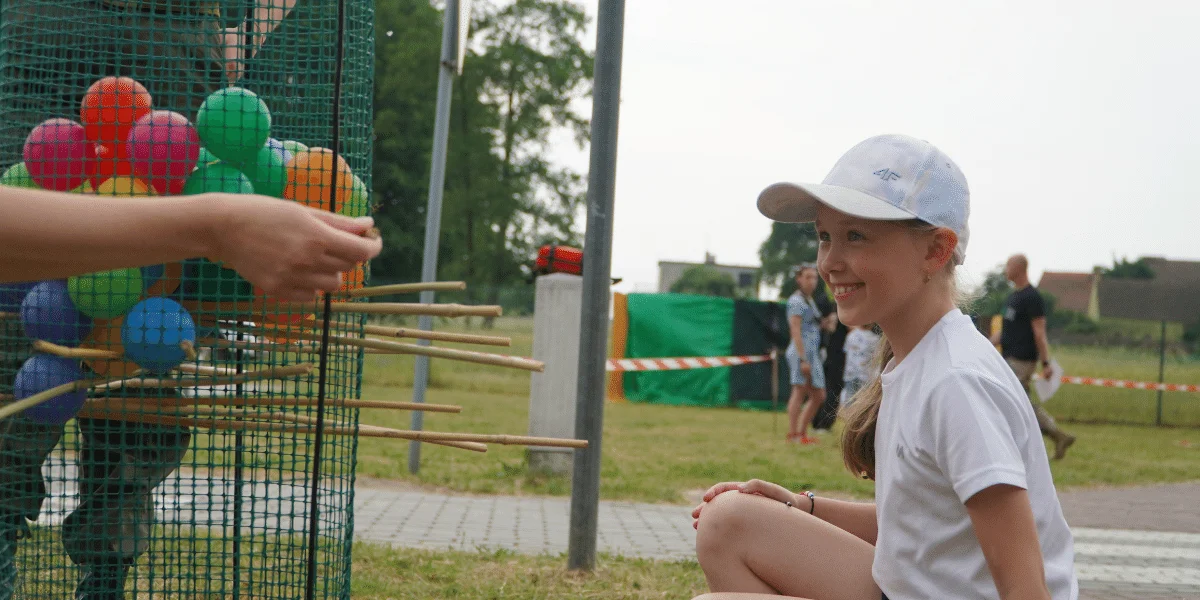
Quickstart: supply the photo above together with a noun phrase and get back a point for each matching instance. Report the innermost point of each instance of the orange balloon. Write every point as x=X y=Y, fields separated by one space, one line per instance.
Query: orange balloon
x=310 y=175
x=106 y=335
x=110 y=108
x=124 y=186
x=169 y=282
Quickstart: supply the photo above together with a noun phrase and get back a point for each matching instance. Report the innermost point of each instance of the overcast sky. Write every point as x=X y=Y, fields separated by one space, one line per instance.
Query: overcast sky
x=1076 y=123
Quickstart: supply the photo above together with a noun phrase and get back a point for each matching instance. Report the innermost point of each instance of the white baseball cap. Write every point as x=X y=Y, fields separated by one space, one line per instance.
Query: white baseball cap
x=886 y=178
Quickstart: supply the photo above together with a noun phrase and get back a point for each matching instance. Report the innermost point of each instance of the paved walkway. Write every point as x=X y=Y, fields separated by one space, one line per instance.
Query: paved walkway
x=1139 y=543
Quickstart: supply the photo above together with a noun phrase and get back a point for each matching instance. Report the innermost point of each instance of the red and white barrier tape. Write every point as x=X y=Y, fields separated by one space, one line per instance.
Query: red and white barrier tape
x=1131 y=385
x=679 y=364
x=708 y=362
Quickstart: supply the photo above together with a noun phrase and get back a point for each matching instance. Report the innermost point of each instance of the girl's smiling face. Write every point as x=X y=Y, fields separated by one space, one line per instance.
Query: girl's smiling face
x=876 y=269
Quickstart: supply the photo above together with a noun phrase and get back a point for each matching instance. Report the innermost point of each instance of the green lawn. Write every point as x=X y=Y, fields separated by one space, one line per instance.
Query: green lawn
x=1095 y=404
x=382 y=573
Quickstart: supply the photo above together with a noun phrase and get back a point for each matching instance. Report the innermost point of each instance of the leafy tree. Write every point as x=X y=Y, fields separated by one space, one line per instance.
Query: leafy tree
x=1126 y=269
x=993 y=293
x=527 y=76
x=525 y=70
x=406 y=70
x=788 y=245
x=705 y=281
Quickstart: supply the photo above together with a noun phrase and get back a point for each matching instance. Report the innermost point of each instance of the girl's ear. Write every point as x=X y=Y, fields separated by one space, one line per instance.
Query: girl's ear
x=941 y=249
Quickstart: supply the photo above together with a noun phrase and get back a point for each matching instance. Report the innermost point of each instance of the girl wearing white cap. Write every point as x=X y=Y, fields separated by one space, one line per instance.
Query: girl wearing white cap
x=965 y=506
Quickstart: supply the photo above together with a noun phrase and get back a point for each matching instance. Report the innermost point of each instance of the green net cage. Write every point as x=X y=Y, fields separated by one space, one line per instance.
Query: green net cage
x=178 y=453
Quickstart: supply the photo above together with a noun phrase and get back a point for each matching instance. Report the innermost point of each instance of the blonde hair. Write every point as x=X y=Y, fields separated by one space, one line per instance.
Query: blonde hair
x=861 y=415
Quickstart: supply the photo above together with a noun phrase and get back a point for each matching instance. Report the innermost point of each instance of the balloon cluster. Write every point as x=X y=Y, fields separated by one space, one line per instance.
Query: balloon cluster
x=123 y=146
x=155 y=333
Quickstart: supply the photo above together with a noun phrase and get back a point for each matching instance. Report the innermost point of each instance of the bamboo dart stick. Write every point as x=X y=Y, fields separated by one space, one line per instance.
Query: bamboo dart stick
x=94 y=353
x=285 y=402
x=259 y=375
x=65 y=352
x=397 y=308
x=401 y=332
x=243 y=425
x=205 y=369
x=424 y=436
x=372 y=308
x=45 y=396
x=515 y=362
x=396 y=332
x=405 y=288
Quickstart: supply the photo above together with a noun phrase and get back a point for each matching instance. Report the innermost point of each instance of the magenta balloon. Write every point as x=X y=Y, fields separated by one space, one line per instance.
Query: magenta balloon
x=57 y=154
x=163 y=149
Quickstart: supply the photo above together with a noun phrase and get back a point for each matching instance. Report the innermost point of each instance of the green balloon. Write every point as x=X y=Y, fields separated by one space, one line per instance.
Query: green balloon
x=211 y=282
x=293 y=146
x=106 y=295
x=206 y=158
x=233 y=123
x=217 y=177
x=268 y=172
x=358 y=204
x=18 y=176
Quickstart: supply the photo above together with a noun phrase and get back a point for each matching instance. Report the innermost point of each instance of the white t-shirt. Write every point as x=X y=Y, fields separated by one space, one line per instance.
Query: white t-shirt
x=954 y=421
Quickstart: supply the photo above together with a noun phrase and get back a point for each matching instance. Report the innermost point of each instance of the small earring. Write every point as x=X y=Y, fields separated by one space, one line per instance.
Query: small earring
x=928 y=277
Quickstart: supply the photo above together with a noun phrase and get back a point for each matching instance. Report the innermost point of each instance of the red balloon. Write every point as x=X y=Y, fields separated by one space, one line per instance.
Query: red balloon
x=109 y=164
x=163 y=148
x=59 y=155
x=110 y=108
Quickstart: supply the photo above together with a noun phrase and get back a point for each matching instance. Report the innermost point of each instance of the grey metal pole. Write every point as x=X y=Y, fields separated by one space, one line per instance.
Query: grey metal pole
x=1162 y=359
x=433 y=214
x=597 y=283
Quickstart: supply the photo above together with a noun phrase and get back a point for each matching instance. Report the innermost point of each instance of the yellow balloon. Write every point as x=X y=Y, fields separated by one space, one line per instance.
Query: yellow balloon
x=124 y=186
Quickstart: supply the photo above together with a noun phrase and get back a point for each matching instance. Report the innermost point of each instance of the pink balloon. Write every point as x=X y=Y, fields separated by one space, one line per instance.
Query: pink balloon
x=163 y=148
x=58 y=154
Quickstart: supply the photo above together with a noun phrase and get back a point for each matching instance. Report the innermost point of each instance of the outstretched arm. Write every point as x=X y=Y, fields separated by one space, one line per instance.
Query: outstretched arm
x=287 y=249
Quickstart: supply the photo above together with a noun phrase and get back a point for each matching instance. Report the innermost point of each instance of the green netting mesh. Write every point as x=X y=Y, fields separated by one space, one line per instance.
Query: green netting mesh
x=187 y=472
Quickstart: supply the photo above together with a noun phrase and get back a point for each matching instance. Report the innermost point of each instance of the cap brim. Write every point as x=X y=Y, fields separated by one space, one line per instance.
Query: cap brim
x=797 y=203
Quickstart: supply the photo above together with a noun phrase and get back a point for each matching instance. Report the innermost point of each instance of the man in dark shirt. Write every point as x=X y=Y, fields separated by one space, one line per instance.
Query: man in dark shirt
x=1023 y=344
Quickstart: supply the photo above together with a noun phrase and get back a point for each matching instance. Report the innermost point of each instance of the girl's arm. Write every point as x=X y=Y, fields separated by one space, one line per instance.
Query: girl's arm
x=858 y=518
x=795 y=326
x=1004 y=524
x=287 y=249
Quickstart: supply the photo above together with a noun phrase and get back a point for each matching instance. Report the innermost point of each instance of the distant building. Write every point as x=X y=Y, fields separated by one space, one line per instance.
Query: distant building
x=746 y=278
x=1170 y=296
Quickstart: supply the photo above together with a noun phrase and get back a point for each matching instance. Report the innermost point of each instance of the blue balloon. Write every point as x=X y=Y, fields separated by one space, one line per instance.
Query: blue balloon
x=42 y=372
x=153 y=331
x=151 y=274
x=279 y=147
x=12 y=294
x=49 y=314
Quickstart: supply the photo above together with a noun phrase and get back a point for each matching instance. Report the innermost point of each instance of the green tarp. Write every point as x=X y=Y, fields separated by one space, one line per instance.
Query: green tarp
x=670 y=325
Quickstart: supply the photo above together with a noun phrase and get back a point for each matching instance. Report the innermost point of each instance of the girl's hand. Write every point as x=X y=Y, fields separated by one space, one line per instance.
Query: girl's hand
x=754 y=486
x=289 y=250
x=806 y=368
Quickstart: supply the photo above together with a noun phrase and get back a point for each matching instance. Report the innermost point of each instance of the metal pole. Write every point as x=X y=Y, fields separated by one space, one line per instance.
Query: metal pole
x=597 y=282
x=1162 y=359
x=433 y=214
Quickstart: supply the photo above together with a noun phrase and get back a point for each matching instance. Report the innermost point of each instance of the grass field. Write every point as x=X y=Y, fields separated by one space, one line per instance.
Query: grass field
x=382 y=573
x=661 y=453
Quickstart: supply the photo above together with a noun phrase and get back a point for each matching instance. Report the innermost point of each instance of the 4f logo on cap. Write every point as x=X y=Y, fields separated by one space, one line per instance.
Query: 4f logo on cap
x=886 y=174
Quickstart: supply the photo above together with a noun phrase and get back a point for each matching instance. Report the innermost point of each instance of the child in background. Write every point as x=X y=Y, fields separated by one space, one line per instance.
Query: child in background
x=861 y=343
